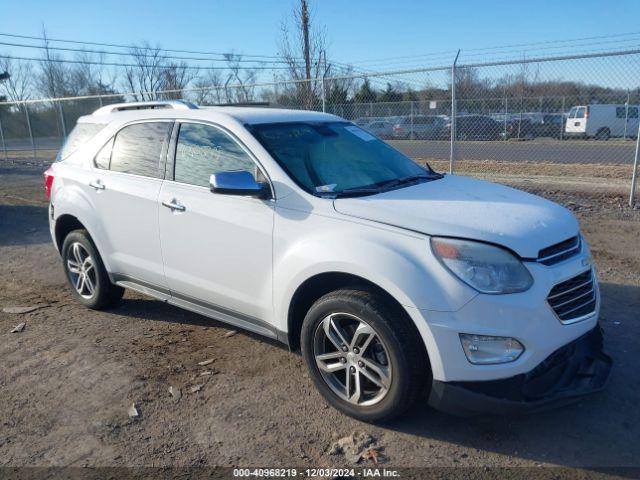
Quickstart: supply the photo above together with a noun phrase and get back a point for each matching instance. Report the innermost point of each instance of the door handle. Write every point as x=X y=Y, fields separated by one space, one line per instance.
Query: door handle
x=174 y=205
x=97 y=184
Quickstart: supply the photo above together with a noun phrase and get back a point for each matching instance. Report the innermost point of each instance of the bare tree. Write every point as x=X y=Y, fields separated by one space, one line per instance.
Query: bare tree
x=89 y=77
x=302 y=46
x=175 y=78
x=18 y=86
x=51 y=82
x=238 y=86
x=146 y=78
x=209 y=89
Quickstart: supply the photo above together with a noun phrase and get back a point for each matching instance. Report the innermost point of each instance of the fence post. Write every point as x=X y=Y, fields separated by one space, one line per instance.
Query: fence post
x=4 y=146
x=634 y=175
x=453 y=114
x=64 y=127
x=506 y=114
x=33 y=143
x=324 y=96
x=411 y=116
x=562 y=121
x=626 y=116
x=100 y=100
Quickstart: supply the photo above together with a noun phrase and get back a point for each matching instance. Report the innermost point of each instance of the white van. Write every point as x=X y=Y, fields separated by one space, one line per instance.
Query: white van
x=602 y=121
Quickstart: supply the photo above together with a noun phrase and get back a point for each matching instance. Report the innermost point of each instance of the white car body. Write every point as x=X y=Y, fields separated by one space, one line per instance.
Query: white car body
x=259 y=253
x=606 y=120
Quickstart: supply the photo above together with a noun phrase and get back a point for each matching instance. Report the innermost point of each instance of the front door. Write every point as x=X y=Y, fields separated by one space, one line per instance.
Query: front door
x=217 y=248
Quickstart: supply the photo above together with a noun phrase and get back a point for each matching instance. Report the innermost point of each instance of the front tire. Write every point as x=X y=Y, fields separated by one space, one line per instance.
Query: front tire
x=363 y=354
x=86 y=274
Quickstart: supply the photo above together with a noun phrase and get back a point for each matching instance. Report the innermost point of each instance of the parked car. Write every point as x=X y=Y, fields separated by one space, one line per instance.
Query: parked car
x=427 y=127
x=552 y=126
x=602 y=121
x=476 y=127
x=380 y=129
x=521 y=129
x=390 y=278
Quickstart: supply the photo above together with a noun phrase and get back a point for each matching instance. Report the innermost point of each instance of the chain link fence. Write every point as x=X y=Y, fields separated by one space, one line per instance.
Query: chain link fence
x=565 y=120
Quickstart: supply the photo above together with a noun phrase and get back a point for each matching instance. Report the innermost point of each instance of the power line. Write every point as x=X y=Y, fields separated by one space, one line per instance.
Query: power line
x=114 y=64
x=489 y=49
x=140 y=53
x=116 y=45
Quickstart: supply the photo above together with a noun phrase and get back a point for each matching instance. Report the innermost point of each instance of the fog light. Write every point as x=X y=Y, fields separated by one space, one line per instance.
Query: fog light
x=484 y=350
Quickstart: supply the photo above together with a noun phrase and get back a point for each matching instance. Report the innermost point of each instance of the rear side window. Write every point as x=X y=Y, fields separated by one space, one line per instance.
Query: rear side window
x=104 y=156
x=81 y=133
x=137 y=149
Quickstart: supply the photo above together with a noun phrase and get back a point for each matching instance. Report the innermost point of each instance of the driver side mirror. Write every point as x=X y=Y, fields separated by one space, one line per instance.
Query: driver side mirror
x=239 y=182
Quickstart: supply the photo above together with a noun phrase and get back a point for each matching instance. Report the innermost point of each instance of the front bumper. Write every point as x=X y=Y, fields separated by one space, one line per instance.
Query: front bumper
x=577 y=369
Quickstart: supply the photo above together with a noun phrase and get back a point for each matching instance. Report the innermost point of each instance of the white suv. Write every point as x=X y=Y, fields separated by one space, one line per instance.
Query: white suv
x=393 y=280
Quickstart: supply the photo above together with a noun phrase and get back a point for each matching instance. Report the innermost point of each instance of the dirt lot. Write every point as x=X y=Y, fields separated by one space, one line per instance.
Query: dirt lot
x=68 y=379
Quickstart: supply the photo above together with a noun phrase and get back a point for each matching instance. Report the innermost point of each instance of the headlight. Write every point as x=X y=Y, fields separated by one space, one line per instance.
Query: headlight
x=486 y=268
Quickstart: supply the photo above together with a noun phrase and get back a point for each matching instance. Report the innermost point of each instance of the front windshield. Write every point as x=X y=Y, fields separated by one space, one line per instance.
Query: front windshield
x=335 y=157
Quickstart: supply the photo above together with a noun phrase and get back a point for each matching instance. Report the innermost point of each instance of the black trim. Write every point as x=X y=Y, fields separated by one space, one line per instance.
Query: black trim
x=212 y=308
x=573 y=371
x=120 y=277
x=170 y=154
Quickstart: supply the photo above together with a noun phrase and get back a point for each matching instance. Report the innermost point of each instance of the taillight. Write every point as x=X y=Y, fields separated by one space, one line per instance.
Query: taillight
x=48 y=182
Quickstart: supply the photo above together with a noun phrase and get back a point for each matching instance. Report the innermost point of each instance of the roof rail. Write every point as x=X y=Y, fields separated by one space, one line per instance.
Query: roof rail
x=122 y=107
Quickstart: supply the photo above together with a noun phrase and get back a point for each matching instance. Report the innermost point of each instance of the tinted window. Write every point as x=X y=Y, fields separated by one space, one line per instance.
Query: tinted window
x=80 y=134
x=633 y=112
x=104 y=156
x=138 y=149
x=203 y=150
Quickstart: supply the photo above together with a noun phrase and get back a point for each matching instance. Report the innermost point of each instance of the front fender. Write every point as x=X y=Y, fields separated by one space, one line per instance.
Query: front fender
x=397 y=261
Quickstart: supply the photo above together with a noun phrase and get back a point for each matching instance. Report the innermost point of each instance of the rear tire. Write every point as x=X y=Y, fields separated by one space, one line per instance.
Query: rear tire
x=603 y=134
x=86 y=273
x=382 y=354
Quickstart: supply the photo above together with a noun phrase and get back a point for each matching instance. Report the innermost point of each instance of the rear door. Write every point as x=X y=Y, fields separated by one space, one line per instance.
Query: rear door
x=125 y=185
x=217 y=248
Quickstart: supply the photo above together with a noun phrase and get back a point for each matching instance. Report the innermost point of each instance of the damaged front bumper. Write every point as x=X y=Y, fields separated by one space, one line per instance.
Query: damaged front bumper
x=574 y=370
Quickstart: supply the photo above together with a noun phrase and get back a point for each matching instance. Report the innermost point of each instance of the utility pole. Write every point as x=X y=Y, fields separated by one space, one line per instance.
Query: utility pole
x=304 y=18
x=304 y=24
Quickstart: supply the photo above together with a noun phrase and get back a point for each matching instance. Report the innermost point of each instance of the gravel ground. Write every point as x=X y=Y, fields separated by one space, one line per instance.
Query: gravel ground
x=69 y=378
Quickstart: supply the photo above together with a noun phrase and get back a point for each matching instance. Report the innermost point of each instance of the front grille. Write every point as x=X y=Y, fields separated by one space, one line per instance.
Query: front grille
x=573 y=298
x=559 y=252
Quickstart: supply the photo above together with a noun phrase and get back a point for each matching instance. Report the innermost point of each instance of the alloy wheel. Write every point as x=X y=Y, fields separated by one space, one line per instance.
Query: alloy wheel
x=82 y=271
x=352 y=359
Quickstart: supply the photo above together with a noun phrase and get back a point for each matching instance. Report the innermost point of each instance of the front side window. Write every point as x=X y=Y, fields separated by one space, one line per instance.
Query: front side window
x=137 y=149
x=580 y=111
x=333 y=157
x=203 y=150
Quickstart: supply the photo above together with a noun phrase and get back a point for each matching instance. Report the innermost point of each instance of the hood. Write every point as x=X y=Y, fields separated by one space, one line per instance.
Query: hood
x=464 y=207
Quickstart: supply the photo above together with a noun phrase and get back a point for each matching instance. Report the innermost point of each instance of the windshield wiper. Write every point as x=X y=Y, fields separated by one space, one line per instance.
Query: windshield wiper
x=385 y=185
x=356 y=192
x=409 y=179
